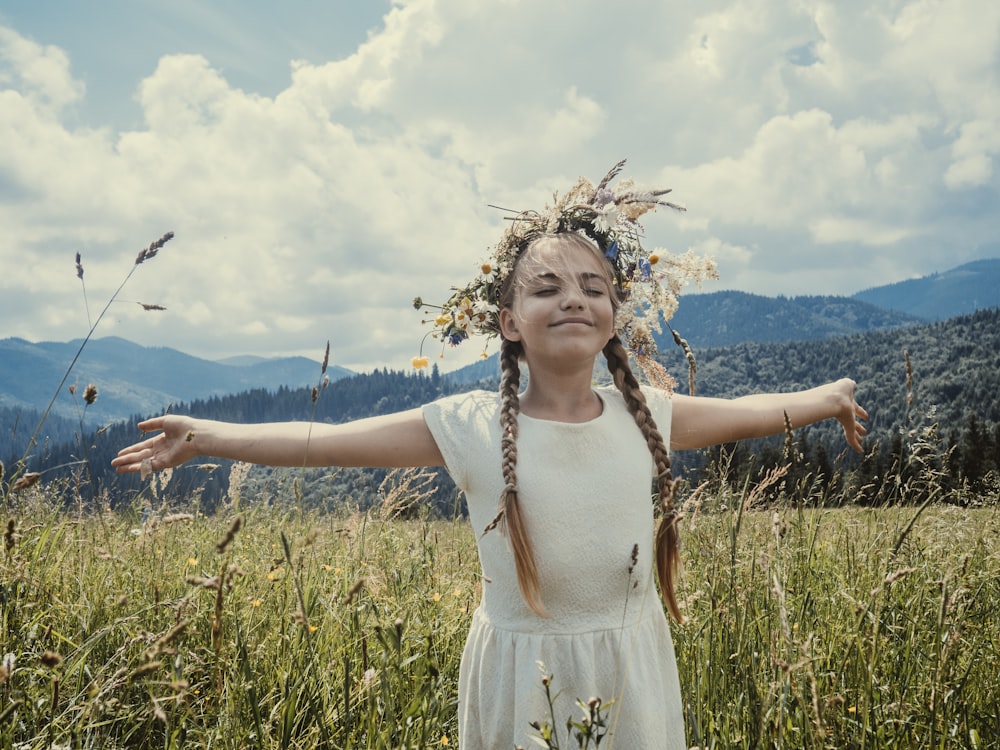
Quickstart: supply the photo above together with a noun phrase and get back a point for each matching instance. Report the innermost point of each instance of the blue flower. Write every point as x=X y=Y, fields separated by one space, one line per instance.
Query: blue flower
x=612 y=252
x=645 y=268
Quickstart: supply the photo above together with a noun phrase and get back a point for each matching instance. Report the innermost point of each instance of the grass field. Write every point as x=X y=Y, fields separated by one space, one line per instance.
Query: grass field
x=267 y=628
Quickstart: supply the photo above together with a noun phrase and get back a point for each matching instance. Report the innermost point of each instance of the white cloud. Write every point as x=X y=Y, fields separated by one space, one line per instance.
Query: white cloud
x=321 y=209
x=39 y=72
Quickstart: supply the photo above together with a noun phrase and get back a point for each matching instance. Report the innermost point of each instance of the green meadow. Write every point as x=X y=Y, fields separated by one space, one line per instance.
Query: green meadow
x=265 y=626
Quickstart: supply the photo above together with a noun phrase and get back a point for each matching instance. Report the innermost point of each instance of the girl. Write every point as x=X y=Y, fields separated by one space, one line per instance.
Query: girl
x=567 y=575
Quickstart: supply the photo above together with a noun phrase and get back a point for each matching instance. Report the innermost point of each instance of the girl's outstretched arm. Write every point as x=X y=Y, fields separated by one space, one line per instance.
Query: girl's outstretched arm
x=700 y=422
x=392 y=440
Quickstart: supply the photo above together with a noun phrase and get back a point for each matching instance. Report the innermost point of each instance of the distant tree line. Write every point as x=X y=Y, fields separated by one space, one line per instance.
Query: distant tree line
x=933 y=392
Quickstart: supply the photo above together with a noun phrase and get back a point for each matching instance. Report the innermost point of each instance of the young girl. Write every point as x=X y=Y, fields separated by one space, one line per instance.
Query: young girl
x=567 y=557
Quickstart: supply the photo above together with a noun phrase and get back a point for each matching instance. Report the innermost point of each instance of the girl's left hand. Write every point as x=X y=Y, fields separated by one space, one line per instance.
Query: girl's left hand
x=850 y=412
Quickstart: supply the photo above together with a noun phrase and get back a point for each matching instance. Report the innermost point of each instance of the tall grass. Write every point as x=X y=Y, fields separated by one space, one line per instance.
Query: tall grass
x=20 y=477
x=805 y=628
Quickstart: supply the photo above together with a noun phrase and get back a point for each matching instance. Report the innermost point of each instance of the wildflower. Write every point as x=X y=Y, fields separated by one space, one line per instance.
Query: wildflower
x=255 y=602
x=420 y=362
x=489 y=273
x=612 y=252
x=192 y=561
x=442 y=320
x=483 y=311
x=444 y=740
x=313 y=628
x=327 y=568
x=654 y=259
x=463 y=316
x=436 y=597
x=606 y=218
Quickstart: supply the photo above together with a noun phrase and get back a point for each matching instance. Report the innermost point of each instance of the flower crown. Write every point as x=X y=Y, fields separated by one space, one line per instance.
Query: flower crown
x=649 y=283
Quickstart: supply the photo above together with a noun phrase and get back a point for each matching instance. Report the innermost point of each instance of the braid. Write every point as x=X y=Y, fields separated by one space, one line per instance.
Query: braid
x=667 y=541
x=508 y=517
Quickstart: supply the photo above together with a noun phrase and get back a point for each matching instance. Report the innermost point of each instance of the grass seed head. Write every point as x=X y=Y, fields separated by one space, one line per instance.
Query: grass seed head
x=234 y=528
x=155 y=247
x=26 y=480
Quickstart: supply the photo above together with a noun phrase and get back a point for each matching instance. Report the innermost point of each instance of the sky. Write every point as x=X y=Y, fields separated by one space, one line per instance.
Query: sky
x=323 y=162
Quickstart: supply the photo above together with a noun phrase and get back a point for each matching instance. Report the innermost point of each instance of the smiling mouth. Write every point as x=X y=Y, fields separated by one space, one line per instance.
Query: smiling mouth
x=573 y=321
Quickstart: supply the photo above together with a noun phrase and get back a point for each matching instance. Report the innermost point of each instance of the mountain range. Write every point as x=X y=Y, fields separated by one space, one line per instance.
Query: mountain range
x=134 y=380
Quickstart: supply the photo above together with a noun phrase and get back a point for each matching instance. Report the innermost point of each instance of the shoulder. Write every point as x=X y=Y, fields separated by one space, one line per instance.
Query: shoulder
x=466 y=428
x=659 y=401
x=463 y=406
x=462 y=414
x=657 y=397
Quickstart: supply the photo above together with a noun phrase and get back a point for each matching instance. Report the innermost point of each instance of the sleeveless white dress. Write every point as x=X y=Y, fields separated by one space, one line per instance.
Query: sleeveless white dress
x=585 y=494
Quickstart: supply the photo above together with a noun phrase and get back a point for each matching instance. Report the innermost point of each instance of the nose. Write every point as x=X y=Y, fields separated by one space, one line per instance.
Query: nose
x=573 y=297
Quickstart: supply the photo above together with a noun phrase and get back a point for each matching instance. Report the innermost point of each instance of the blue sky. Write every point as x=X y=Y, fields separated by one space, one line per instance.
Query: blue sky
x=322 y=163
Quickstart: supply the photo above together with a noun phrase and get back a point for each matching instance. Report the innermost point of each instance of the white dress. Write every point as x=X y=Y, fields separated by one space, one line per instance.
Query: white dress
x=585 y=496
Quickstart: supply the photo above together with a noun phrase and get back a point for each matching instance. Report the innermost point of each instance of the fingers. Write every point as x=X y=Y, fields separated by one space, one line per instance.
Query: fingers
x=130 y=459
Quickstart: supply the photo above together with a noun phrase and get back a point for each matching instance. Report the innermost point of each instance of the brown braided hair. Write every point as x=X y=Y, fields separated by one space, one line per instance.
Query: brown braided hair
x=509 y=518
x=667 y=540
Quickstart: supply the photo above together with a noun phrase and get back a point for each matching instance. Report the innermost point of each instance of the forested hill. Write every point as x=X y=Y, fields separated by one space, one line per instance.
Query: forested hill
x=727 y=318
x=954 y=364
x=355 y=397
x=954 y=381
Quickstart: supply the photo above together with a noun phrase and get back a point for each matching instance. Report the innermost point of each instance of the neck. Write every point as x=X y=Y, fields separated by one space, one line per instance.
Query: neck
x=561 y=396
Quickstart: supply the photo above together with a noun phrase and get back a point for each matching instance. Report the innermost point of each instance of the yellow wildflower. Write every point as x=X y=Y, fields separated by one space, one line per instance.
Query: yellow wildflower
x=420 y=362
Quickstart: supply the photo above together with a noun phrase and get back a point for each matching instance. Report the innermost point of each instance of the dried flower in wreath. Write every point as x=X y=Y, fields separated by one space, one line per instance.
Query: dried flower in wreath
x=648 y=282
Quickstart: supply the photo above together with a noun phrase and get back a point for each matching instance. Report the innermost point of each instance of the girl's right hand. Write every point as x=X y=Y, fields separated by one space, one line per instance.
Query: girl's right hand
x=172 y=447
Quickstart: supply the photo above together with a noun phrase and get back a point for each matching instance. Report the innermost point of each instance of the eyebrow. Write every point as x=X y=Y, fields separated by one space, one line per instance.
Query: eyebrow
x=584 y=276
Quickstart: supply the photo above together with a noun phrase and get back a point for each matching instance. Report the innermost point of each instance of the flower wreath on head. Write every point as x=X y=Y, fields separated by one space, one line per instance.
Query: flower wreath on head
x=649 y=282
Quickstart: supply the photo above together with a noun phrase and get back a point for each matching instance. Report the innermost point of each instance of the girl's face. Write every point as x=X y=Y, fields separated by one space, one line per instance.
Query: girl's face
x=562 y=301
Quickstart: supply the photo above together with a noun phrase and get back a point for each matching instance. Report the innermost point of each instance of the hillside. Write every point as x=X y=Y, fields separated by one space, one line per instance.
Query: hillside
x=133 y=379
x=727 y=318
x=959 y=291
x=955 y=367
